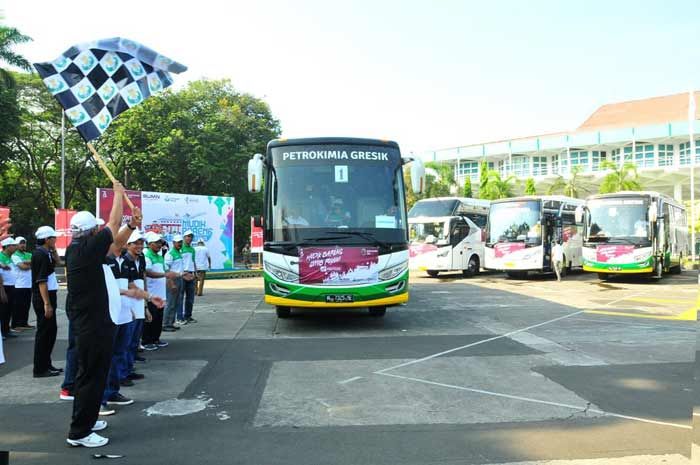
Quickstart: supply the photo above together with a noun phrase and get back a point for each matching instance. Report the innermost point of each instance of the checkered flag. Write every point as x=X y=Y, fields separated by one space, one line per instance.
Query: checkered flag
x=96 y=81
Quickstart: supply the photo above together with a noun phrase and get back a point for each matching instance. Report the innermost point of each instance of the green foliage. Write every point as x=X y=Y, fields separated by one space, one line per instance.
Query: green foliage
x=483 y=177
x=467 y=188
x=495 y=187
x=197 y=140
x=439 y=182
x=9 y=107
x=9 y=37
x=573 y=186
x=530 y=187
x=623 y=178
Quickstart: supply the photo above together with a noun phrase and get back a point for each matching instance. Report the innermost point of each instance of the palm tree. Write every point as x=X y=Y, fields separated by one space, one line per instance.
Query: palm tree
x=530 y=187
x=495 y=187
x=10 y=37
x=571 y=186
x=623 y=178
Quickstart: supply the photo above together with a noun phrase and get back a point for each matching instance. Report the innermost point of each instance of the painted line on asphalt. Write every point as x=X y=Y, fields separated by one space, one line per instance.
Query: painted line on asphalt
x=609 y=321
x=483 y=341
x=536 y=401
x=350 y=380
x=687 y=315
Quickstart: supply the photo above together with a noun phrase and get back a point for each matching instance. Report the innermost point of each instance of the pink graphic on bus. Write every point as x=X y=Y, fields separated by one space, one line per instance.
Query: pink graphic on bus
x=338 y=265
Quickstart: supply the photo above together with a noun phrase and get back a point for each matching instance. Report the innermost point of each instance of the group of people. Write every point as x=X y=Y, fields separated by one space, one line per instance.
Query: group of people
x=123 y=292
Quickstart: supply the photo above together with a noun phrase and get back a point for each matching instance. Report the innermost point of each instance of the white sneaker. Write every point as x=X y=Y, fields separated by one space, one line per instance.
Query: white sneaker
x=92 y=440
x=99 y=425
x=106 y=411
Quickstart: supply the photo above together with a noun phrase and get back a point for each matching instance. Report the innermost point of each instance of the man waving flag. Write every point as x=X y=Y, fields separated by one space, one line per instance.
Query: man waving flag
x=96 y=81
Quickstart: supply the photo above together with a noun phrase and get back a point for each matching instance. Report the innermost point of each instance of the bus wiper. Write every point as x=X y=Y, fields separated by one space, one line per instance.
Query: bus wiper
x=364 y=235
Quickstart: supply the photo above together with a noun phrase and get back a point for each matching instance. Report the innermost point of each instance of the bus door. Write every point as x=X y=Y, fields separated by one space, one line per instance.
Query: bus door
x=461 y=248
x=550 y=230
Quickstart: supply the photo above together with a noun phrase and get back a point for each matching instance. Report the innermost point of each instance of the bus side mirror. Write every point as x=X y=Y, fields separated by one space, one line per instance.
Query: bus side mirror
x=417 y=176
x=255 y=173
x=578 y=214
x=653 y=212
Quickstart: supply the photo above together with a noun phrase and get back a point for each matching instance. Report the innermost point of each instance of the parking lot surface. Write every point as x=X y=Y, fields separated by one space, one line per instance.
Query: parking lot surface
x=485 y=370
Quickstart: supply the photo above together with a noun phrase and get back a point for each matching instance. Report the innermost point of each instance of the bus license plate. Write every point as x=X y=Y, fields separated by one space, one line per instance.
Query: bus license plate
x=509 y=264
x=339 y=298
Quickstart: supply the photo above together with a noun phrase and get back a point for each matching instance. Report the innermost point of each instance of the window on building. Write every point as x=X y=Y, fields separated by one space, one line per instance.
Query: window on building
x=684 y=152
x=579 y=158
x=627 y=154
x=504 y=168
x=521 y=166
x=468 y=168
x=597 y=158
x=539 y=166
x=665 y=155
x=643 y=155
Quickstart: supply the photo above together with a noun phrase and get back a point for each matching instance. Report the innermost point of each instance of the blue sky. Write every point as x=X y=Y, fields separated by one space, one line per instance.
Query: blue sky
x=426 y=74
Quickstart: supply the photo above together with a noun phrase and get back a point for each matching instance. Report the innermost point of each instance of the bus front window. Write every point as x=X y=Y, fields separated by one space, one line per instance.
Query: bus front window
x=614 y=219
x=515 y=222
x=427 y=233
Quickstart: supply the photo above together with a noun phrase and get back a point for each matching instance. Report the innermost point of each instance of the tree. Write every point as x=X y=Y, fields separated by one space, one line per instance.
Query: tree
x=9 y=37
x=196 y=140
x=496 y=187
x=467 y=188
x=9 y=108
x=573 y=186
x=483 y=177
x=530 y=187
x=439 y=182
x=623 y=178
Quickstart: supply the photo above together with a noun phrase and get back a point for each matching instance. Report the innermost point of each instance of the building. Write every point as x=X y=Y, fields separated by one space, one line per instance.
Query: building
x=652 y=133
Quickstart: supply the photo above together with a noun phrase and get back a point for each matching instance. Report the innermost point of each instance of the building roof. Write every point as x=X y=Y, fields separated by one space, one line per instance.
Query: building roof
x=648 y=111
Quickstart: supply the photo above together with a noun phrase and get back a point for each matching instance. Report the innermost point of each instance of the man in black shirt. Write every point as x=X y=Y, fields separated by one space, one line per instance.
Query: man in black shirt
x=89 y=313
x=44 y=293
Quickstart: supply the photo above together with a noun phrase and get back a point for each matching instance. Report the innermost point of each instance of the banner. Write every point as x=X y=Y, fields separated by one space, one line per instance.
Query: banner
x=256 y=237
x=209 y=217
x=62 y=219
x=4 y=213
x=607 y=253
x=503 y=249
x=338 y=265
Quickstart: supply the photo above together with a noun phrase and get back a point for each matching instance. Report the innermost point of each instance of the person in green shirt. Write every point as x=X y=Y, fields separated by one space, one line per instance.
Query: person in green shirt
x=23 y=286
x=188 y=279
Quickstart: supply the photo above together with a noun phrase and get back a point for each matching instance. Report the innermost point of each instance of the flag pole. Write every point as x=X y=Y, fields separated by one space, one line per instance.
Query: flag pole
x=691 y=133
x=106 y=170
x=63 y=159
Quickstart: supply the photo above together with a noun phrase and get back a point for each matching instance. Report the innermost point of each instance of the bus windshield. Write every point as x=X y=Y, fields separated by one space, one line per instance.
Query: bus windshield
x=433 y=208
x=319 y=192
x=517 y=221
x=611 y=220
x=427 y=233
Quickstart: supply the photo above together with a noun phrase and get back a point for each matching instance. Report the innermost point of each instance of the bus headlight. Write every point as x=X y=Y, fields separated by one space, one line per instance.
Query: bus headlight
x=392 y=272
x=281 y=273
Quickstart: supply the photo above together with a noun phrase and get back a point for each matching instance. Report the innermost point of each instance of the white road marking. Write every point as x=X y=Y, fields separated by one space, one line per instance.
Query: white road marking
x=352 y=379
x=483 y=341
x=536 y=401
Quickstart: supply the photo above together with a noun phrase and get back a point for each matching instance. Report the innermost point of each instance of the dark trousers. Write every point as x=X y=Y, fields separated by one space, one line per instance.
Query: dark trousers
x=153 y=329
x=20 y=311
x=71 y=368
x=134 y=341
x=119 y=360
x=45 y=337
x=188 y=288
x=94 y=347
x=6 y=310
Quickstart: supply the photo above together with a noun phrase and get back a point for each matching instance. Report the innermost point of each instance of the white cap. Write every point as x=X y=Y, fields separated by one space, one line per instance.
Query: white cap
x=8 y=241
x=19 y=239
x=153 y=237
x=177 y=238
x=135 y=236
x=44 y=232
x=188 y=233
x=84 y=221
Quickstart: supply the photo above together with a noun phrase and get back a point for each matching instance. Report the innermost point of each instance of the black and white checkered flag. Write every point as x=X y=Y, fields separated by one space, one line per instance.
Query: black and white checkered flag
x=96 y=81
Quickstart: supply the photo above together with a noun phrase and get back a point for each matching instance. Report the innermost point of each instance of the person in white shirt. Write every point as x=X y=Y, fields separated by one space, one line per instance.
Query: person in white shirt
x=557 y=258
x=202 y=261
x=174 y=263
x=23 y=286
x=157 y=275
x=8 y=276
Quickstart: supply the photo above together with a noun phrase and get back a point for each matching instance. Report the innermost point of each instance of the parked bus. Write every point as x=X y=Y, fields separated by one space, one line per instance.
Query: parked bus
x=334 y=223
x=634 y=232
x=521 y=231
x=447 y=234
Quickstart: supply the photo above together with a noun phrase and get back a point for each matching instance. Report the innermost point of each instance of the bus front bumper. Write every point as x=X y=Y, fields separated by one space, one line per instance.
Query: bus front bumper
x=386 y=301
x=647 y=266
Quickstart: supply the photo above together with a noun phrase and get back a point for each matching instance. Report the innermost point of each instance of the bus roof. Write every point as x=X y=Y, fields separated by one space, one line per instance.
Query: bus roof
x=559 y=198
x=464 y=200
x=329 y=141
x=652 y=194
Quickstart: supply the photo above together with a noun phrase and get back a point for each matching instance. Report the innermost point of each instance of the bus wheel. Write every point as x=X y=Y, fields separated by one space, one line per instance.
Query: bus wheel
x=659 y=269
x=472 y=267
x=433 y=273
x=377 y=311
x=283 y=312
x=678 y=269
x=603 y=276
x=564 y=268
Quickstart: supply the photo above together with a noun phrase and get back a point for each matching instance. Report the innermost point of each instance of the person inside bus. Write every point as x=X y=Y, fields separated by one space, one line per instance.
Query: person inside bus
x=338 y=216
x=641 y=228
x=294 y=218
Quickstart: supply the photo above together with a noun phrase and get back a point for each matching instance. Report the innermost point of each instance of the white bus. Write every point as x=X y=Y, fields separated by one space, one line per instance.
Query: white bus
x=447 y=234
x=634 y=232
x=521 y=231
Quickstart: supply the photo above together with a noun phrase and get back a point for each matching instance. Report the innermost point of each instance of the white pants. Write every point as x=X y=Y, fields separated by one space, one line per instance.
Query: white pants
x=557 y=269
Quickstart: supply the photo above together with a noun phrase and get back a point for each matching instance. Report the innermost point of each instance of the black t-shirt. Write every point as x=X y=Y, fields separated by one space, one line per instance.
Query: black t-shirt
x=42 y=268
x=86 y=282
x=134 y=268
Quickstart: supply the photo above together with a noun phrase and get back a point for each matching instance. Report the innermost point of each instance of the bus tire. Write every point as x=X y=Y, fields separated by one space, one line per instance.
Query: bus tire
x=433 y=273
x=377 y=311
x=564 y=268
x=678 y=269
x=283 y=312
x=473 y=267
x=603 y=276
x=658 y=269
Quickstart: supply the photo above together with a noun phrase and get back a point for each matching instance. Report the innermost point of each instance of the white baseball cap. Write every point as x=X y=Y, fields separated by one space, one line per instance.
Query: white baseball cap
x=188 y=233
x=84 y=221
x=8 y=241
x=45 y=232
x=177 y=238
x=19 y=239
x=135 y=236
x=153 y=237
